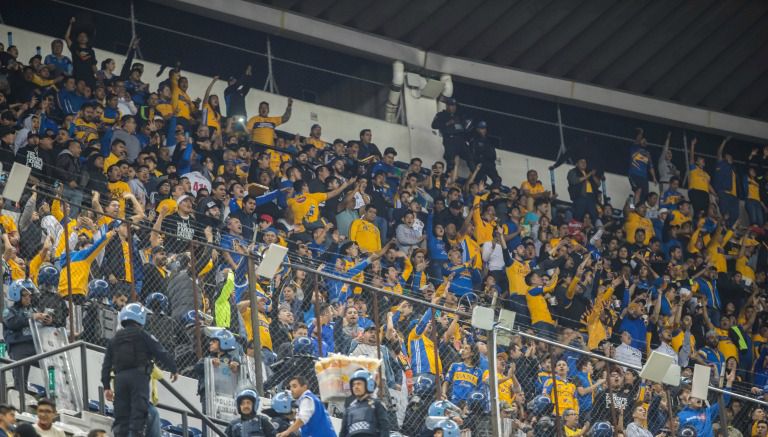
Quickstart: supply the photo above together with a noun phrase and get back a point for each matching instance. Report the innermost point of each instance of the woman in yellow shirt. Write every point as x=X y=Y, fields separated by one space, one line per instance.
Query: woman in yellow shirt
x=699 y=187
x=211 y=109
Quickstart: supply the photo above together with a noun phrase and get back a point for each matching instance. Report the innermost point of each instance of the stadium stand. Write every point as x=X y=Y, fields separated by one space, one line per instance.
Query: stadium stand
x=172 y=196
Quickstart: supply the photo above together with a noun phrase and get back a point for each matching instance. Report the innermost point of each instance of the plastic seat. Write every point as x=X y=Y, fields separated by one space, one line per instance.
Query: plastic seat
x=37 y=390
x=164 y=423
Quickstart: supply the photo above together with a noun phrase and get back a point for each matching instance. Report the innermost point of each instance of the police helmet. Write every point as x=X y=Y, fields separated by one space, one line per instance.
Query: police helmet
x=188 y=318
x=98 y=289
x=282 y=402
x=602 y=429
x=303 y=346
x=227 y=341
x=540 y=405
x=48 y=276
x=133 y=312
x=477 y=400
x=18 y=287
x=159 y=303
x=687 y=431
x=449 y=427
x=248 y=394
x=365 y=376
x=442 y=408
x=423 y=385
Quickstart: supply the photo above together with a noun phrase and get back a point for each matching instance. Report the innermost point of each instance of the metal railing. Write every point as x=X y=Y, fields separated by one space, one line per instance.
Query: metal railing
x=83 y=347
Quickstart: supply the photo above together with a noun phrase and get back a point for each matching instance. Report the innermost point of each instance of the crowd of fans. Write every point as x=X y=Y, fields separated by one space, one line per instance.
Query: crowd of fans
x=161 y=194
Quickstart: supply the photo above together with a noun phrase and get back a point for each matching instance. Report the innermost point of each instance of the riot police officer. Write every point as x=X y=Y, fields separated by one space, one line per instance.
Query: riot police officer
x=418 y=406
x=302 y=363
x=482 y=151
x=17 y=332
x=365 y=416
x=281 y=412
x=168 y=331
x=452 y=127
x=446 y=428
x=49 y=301
x=602 y=429
x=439 y=415
x=99 y=294
x=131 y=354
x=250 y=423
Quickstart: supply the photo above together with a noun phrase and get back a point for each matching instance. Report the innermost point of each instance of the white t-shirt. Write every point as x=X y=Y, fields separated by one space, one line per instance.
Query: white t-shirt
x=53 y=432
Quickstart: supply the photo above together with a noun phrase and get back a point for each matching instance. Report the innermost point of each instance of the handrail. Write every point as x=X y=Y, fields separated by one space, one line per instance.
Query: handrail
x=197 y=413
x=83 y=346
x=35 y=358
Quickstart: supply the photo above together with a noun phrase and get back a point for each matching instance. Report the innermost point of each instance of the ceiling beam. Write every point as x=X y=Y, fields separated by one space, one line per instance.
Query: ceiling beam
x=710 y=50
x=668 y=58
x=548 y=46
x=296 y=26
x=544 y=22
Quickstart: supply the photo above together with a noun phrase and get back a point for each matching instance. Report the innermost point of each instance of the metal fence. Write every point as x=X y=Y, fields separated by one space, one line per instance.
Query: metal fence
x=314 y=308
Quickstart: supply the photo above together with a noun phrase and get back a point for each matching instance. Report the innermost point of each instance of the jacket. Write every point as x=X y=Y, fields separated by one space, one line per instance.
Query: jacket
x=67 y=167
x=16 y=323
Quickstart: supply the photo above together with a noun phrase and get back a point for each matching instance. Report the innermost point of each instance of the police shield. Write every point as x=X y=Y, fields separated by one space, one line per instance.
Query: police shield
x=221 y=385
x=108 y=322
x=248 y=373
x=58 y=372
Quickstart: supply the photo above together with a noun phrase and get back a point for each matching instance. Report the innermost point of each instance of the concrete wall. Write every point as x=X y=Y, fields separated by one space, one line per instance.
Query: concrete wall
x=415 y=139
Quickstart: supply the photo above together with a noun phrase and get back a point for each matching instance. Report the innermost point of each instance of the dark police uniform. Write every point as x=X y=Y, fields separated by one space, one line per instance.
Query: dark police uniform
x=482 y=151
x=366 y=417
x=131 y=354
x=453 y=129
x=253 y=425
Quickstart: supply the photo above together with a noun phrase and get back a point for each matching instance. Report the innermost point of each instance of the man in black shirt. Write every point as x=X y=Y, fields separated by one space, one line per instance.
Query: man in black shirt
x=452 y=127
x=181 y=225
x=482 y=151
x=367 y=148
x=7 y=137
x=234 y=95
x=38 y=155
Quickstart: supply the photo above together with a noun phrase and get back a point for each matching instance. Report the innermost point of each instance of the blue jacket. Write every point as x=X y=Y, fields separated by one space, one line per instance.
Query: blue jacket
x=702 y=418
x=319 y=424
x=16 y=322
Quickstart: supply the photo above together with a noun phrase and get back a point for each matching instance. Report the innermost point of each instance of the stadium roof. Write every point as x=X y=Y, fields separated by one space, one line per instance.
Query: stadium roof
x=703 y=54
x=699 y=52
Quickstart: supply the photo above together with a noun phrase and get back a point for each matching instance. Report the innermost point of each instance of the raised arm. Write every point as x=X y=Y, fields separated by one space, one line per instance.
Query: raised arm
x=287 y=113
x=721 y=148
x=341 y=188
x=210 y=87
x=68 y=34
x=692 y=160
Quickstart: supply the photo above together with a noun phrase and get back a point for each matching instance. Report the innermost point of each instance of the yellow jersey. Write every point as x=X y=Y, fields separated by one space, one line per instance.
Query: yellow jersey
x=698 y=179
x=263 y=129
x=634 y=222
x=306 y=207
x=117 y=190
x=366 y=234
x=753 y=189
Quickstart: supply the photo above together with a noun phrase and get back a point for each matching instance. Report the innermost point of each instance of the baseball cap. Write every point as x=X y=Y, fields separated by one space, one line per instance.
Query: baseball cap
x=183 y=198
x=266 y=218
x=450 y=101
x=663 y=210
x=481 y=125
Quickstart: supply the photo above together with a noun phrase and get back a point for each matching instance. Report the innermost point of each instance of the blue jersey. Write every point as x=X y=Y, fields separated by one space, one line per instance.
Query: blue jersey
x=640 y=161
x=464 y=380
